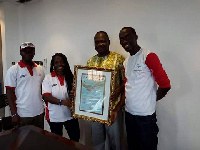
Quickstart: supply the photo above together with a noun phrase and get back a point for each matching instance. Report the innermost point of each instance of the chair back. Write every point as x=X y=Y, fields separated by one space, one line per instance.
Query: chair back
x=3 y=101
x=5 y=122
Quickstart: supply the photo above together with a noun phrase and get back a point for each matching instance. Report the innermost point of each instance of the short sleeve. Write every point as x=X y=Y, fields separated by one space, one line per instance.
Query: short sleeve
x=154 y=64
x=46 y=86
x=11 y=77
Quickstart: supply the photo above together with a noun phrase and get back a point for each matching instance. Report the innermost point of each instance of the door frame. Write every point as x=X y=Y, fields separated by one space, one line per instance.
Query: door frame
x=1 y=64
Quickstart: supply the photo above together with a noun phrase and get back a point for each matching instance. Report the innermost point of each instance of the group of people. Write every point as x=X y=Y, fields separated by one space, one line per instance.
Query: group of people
x=135 y=87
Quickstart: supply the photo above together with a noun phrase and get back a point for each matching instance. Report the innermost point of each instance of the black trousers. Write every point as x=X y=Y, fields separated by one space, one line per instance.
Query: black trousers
x=72 y=127
x=37 y=121
x=141 y=132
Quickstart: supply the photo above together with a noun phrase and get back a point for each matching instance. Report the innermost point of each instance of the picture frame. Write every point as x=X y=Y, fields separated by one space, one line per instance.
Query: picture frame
x=93 y=88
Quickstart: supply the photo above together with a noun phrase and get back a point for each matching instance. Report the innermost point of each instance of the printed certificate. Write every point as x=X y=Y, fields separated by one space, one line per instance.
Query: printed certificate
x=93 y=88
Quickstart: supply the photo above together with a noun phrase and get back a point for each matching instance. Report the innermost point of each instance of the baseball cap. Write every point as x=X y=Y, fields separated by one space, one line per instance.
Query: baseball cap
x=26 y=45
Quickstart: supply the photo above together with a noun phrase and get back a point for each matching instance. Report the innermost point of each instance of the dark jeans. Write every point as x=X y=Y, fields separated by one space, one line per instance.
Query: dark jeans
x=141 y=132
x=37 y=121
x=72 y=127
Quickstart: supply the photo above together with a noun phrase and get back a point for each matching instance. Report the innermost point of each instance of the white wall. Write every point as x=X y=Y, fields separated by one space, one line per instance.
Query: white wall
x=169 y=28
x=10 y=37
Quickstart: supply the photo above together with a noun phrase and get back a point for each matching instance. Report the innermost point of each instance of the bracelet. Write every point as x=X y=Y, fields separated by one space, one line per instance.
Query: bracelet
x=60 y=103
x=14 y=115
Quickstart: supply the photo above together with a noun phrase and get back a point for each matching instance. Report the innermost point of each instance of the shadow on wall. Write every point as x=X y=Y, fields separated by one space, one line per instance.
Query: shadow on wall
x=167 y=109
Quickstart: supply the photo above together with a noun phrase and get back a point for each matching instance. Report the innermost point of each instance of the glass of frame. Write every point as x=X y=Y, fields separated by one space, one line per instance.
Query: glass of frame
x=93 y=88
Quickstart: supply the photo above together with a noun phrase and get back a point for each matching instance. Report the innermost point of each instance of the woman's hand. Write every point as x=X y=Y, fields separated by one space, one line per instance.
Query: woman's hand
x=67 y=103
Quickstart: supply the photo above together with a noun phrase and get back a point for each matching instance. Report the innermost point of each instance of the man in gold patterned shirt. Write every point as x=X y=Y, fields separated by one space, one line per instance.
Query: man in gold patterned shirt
x=108 y=60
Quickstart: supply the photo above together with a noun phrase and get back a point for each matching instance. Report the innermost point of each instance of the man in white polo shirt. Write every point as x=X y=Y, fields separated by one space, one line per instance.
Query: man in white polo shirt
x=142 y=71
x=23 y=88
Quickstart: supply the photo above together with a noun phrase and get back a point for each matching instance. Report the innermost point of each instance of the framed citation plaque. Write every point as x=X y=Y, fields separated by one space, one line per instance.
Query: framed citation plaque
x=93 y=88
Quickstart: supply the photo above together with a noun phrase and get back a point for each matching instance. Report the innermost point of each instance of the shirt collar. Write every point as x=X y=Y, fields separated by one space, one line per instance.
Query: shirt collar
x=22 y=65
x=61 y=79
x=136 y=54
x=53 y=74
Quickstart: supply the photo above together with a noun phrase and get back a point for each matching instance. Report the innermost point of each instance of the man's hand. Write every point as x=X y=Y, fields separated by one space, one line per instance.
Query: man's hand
x=114 y=96
x=16 y=120
x=118 y=107
x=113 y=116
x=11 y=100
x=117 y=92
x=161 y=92
x=72 y=94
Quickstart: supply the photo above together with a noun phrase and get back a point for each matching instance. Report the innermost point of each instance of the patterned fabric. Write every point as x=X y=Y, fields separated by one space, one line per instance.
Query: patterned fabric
x=111 y=61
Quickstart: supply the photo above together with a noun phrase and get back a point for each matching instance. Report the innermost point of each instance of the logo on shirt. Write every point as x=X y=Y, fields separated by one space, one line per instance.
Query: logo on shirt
x=54 y=85
x=138 y=66
x=22 y=76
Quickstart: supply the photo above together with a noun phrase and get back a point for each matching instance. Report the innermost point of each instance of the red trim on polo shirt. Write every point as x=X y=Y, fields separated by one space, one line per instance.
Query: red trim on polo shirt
x=46 y=94
x=61 y=79
x=125 y=80
x=53 y=74
x=47 y=109
x=9 y=87
x=22 y=65
x=47 y=112
x=154 y=64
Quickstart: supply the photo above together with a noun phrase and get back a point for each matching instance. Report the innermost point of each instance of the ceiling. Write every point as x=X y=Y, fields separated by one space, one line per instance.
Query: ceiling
x=15 y=1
